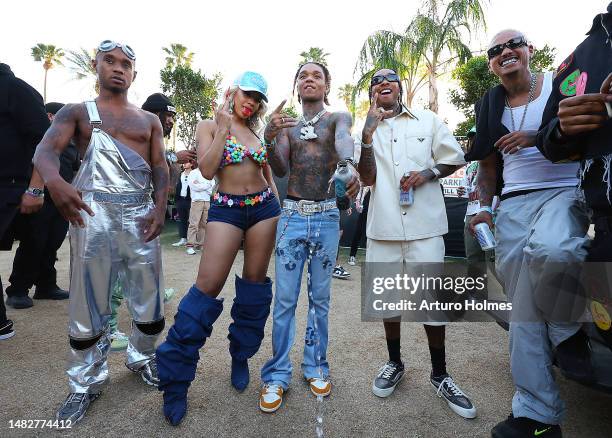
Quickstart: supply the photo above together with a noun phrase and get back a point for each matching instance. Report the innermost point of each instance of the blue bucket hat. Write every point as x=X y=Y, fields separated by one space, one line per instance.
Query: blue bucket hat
x=251 y=81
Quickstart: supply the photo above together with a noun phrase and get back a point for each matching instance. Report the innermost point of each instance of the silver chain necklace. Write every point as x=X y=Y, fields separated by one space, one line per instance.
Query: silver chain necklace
x=609 y=39
x=307 y=132
x=532 y=87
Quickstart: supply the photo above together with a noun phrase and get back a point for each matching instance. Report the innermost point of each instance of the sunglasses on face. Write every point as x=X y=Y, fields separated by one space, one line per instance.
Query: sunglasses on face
x=379 y=79
x=108 y=45
x=513 y=43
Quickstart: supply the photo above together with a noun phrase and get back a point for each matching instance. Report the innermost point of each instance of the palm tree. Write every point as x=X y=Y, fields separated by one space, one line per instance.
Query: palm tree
x=387 y=49
x=81 y=65
x=346 y=93
x=178 y=54
x=314 y=54
x=50 y=56
x=437 y=31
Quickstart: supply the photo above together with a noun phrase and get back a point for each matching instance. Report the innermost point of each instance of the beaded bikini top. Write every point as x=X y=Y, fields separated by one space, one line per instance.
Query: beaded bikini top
x=234 y=152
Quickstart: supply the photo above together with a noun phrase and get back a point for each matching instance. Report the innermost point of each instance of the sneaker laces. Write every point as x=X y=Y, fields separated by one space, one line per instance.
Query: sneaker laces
x=452 y=387
x=76 y=397
x=152 y=366
x=387 y=370
x=270 y=388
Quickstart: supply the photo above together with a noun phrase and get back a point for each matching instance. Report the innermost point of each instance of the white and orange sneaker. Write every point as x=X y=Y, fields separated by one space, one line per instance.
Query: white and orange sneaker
x=270 y=398
x=319 y=387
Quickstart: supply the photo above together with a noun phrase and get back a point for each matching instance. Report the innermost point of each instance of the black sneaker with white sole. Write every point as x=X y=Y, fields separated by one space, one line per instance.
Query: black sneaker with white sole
x=454 y=396
x=520 y=427
x=389 y=375
x=340 y=272
x=148 y=372
x=75 y=406
x=6 y=329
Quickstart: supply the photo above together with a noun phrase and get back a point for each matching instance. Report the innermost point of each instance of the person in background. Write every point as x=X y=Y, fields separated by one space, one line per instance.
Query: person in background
x=475 y=256
x=362 y=203
x=201 y=191
x=23 y=122
x=182 y=200
x=41 y=235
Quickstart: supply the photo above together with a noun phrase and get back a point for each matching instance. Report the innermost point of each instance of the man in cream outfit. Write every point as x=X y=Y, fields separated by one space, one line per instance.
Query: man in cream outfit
x=408 y=149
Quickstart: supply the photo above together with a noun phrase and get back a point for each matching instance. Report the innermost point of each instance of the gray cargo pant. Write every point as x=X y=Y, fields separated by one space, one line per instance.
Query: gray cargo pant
x=536 y=232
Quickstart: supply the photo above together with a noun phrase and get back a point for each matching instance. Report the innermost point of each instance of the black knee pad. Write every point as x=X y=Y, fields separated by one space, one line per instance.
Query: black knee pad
x=151 y=328
x=79 y=344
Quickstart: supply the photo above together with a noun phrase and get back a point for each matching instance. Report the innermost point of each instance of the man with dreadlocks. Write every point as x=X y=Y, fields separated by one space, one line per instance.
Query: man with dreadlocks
x=404 y=150
x=308 y=230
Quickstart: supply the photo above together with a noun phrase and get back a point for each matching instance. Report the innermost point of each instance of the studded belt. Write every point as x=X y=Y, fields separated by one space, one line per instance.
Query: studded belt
x=306 y=208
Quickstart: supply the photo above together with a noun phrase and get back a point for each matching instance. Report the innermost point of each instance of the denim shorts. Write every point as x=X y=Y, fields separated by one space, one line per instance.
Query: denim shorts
x=243 y=211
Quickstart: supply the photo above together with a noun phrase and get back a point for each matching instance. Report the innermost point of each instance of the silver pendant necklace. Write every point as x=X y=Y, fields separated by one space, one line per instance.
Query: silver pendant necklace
x=532 y=87
x=307 y=132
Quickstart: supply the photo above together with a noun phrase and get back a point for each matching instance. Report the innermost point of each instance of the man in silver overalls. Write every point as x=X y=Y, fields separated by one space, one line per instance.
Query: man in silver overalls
x=115 y=224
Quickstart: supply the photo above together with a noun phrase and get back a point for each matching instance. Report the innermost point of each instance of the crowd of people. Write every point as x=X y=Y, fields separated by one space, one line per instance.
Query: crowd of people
x=539 y=161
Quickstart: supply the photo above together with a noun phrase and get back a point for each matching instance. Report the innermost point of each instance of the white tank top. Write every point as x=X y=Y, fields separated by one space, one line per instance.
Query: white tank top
x=528 y=169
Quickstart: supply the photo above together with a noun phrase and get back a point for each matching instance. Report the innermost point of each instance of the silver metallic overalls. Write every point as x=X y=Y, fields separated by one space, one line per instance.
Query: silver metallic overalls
x=115 y=182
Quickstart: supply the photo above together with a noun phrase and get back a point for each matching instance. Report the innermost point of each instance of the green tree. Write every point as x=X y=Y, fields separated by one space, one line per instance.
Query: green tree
x=80 y=64
x=178 y=54
x=314 y=54
x=386 y=49
x=438 y=32
x=50 y=56
x=542 y=59
x=192 y=94
x=474 y=79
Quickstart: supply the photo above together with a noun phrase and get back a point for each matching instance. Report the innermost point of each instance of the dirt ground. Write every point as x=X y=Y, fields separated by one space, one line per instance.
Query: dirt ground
x=33 y=384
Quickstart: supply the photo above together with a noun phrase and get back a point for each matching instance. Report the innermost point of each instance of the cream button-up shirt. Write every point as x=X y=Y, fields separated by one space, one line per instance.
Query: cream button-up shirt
x=413 y=140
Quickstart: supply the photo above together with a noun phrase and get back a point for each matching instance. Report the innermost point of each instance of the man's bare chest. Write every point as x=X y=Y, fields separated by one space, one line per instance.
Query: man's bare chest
x=133 y=132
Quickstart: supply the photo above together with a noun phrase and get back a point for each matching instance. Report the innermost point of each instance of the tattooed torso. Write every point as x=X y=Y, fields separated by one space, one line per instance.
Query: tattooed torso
x=313 y=162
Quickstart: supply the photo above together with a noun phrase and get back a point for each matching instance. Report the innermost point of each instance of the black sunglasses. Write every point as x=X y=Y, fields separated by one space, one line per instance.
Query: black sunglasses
x=379 y=79
x=513 y=43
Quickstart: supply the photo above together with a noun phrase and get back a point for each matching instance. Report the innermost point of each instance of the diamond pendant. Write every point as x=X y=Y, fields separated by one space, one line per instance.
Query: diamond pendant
x=308 y=133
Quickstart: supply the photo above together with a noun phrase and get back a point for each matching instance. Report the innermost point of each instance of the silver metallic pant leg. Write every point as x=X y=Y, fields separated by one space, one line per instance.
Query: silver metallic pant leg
x=141 y=348
x=88 y=369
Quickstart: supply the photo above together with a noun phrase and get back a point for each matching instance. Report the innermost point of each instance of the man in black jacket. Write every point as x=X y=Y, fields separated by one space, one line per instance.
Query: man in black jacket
x=577 y=125
x=23 y=122
x=41 y=235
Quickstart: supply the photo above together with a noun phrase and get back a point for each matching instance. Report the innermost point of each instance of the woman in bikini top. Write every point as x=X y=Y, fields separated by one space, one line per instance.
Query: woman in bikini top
x=245 y=208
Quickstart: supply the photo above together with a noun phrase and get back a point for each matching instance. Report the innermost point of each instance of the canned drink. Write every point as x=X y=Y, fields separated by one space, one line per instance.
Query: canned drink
x=407 y=198
x=485 y=237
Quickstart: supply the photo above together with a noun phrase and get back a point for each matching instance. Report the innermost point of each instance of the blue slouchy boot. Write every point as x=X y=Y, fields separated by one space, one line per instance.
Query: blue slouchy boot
x=177 y=358
x=250 y=311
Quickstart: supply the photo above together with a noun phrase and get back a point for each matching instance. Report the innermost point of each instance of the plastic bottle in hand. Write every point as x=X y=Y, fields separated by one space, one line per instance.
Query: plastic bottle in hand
x=342 y=176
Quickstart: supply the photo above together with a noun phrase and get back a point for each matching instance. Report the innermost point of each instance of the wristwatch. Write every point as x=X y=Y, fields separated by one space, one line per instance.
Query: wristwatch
x=436 y=172
x=171 y=156
x=35 y=192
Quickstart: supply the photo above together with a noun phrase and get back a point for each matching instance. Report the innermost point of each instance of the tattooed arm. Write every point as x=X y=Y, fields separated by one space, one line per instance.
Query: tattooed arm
x=46 y=160
x=345 y=147
x=154 y=221
x=367 y=162
x=486 y=180
x=278 y=155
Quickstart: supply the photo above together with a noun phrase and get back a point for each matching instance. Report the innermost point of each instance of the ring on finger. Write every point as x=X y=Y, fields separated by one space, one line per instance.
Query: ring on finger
x=518 y=148
x=283 y=120
x=381 y=110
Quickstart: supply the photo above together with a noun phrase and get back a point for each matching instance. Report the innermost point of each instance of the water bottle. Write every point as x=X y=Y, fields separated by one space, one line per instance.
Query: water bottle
x=342 y=176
